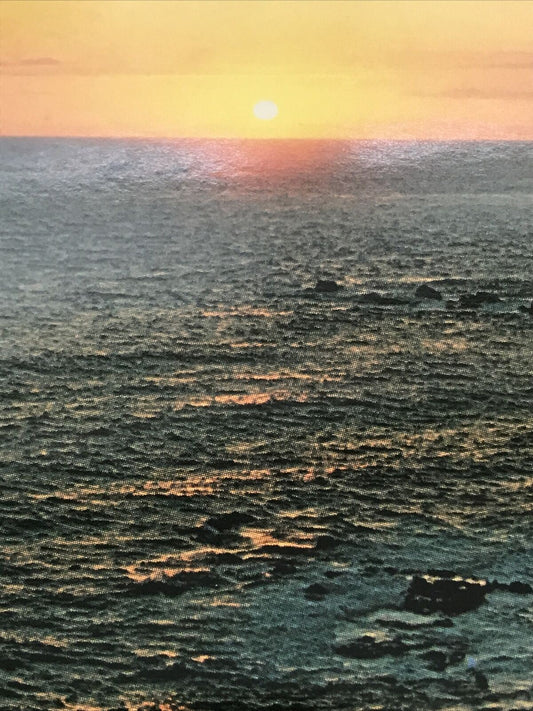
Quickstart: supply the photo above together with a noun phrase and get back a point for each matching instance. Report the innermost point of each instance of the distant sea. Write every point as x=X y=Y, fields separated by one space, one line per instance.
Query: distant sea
x=235 y=444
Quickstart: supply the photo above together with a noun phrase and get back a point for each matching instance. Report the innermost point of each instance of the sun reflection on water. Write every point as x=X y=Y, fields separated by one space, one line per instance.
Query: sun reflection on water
x=247 y=159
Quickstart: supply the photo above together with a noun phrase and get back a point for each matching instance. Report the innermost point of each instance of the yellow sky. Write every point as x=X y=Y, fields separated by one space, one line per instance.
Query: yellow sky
x=423 y=69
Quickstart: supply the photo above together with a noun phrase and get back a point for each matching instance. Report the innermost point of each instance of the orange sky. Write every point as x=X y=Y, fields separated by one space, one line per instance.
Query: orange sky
x=423 y=69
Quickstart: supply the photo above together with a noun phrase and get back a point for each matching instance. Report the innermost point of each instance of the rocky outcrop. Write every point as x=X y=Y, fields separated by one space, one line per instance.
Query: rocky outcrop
x=428 y=292
x=452 y=596
x=327 y=286
x=224 y=526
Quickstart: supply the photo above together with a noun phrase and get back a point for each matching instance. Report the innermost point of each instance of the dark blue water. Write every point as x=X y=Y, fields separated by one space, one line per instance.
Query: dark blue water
x=166 y=359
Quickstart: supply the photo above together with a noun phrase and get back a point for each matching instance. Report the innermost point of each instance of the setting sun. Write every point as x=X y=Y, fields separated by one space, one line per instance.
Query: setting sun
x=265 y=110
x=385 y=69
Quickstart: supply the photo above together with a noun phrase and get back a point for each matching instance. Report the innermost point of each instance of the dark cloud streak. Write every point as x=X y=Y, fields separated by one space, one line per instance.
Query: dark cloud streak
x=32 y=62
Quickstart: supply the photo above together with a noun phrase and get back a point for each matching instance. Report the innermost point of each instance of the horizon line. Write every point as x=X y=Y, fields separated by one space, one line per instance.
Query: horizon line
x=270 y=138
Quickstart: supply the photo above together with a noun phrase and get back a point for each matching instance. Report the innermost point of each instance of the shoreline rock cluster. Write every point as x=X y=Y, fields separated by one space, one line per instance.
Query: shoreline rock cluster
x=467 y=301
x=437 y=592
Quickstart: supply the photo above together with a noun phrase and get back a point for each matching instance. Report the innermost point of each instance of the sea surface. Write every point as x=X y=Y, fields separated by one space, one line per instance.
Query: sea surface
x=217 y=479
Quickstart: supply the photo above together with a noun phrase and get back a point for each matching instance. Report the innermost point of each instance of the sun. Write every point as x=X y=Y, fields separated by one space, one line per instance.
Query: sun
x=265 y=110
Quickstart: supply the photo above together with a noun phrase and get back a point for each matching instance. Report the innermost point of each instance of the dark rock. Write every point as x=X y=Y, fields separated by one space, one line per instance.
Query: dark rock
x=428 y=292
x=481 y=680
x=9 y=664
x=526 y=309
x=366 y=647
x=283 y=567
x=229 y=521
x=333 y=573
x=495 y=585
x=327 y=286
x=515 y=587
x=326 y=542
x=283 y=550
x=457 y=652
x=316 y=591
x=437 y=661
x=172 y=672
x=371 y=569
x=373 y=297
x=451 y=596
x=226 y=559
x=520 y=588
x=174 y=585
x=443 y=622
x=478 y=299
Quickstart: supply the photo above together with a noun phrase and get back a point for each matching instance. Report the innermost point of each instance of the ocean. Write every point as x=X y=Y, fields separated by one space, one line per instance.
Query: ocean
x=246 y=465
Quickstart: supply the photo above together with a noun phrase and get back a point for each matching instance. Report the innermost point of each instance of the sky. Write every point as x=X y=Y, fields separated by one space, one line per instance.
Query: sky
x=423 y=69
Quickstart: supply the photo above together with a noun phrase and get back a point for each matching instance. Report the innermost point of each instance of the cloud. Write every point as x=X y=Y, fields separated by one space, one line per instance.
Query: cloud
x=38 y=62
x=28 y=64
x=197 y=60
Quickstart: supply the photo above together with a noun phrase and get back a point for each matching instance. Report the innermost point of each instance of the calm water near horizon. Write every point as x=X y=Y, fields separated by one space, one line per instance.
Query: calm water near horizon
x=219 y=482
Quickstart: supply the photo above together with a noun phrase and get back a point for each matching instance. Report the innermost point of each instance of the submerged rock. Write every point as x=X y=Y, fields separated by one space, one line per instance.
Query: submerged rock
x=367 y=647
x=424 y=291
x=453 y=596
x=526 y=309
x=327 y=286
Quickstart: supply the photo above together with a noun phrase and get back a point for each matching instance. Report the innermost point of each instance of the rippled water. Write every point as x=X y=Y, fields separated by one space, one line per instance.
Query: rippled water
x=166 y=360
